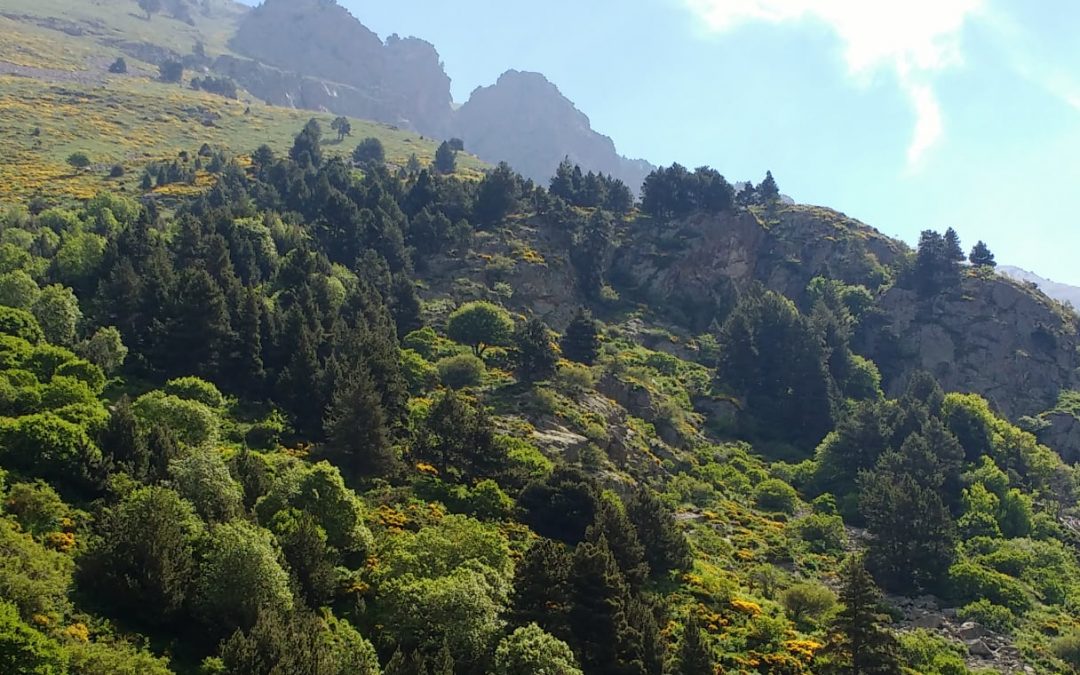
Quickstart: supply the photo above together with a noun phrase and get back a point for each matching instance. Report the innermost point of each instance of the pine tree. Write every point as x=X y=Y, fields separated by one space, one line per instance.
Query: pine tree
x=694 y=656
x=541 y=592
x=534 y=353
x=612 y=524
x=768 y=190
x=445 y=159
x=981 y=256
x=201 y=333
x=405 y=305
x=953 y=250
x=356 y=427
x=121 y=441
x=599 y=630
x=666 y=548
x=248 y=353
x=859 y=645
x=581 y=342
x=307 y=147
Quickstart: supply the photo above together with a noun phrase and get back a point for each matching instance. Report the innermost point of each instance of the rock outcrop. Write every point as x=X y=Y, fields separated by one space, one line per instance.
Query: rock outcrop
x=696 y=268
x=401 y=81
x=525 y=121
x=993 y=336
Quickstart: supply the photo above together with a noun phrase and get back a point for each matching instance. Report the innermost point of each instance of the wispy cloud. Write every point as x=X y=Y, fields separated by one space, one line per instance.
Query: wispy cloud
x=915 y=39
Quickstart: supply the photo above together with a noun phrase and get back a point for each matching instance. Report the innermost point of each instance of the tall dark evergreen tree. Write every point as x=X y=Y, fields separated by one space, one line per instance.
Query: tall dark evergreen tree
x=593 y=250
x=953 y=250
x=123 y=444
x=356 y=427
x=613 y=525
x=666 y=548
x=581 y=342
x=445 y=159
x=498 y=195
x=541 y=592
x=307 y=147
x=771 y=356
x=534 y=352
x=859 y=644
x=981 y=256
x=600 y=632
x=694 y=656
x=768 y=191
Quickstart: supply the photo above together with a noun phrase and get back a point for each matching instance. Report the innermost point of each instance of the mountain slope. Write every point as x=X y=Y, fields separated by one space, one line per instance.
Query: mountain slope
x=1058 y=291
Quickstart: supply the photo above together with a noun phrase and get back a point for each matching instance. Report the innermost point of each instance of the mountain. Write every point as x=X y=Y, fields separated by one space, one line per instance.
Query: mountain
x=1057 y=291
x=265 y=409
x=315 y=54
x=524 y=120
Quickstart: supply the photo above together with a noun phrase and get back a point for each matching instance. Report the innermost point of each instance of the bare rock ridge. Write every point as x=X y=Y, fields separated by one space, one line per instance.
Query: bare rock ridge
x=402 y=80
x=1058 y=291
x=315 y=54
x=525 y=120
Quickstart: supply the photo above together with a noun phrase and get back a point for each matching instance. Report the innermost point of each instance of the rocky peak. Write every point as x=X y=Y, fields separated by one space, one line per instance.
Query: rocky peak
x=523 y=119
x=403 y=78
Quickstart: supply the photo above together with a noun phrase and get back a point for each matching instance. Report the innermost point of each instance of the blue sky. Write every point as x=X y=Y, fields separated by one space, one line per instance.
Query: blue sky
x=906 y=114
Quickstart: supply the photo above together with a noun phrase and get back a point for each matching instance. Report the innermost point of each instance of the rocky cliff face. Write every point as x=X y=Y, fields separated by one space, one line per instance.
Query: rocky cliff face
x=696 y=268
x=525 y=121
x=400 y=82
x=993 y=336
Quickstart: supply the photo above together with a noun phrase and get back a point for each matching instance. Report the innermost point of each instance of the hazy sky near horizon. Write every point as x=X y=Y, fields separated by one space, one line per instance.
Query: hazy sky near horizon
x=906 y=114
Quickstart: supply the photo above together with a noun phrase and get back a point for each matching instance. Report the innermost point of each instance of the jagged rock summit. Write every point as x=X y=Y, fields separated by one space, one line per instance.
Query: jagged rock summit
x=524 y=120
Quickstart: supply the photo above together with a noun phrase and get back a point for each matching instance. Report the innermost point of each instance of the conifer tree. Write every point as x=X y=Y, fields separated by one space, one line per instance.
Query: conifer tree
x=599 y=630
x=981 y=256
x=581 y=342
x=443 y=661
x=356 y=427
x=612 y=524
x=541 y=592
x=666 y=547
x=249 y=359
x=534 y=352
x=445 y=159
x=953 y=250
x=307 y=147
x=859 y=644
x=768 y=190
x=122 y=442
x=694 y=656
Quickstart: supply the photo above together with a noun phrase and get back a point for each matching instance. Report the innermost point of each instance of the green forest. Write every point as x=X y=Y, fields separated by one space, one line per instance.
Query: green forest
x=246 y=431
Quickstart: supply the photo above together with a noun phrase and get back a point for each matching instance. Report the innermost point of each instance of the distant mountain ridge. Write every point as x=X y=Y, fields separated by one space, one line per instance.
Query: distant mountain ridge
x=1057 y=291
x=315 y=54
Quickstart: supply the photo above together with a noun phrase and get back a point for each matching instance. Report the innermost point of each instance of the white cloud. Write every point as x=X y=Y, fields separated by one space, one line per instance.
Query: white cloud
x=913 y=38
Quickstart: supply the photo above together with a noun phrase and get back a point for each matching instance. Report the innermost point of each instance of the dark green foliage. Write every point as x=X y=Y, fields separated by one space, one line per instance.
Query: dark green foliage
x=119 y=66
x=674 y=192
x=122 y=443
x=497 y=196
x=151 y=7
x=561 y=507
x=311 y=560
x=981 y=256
x=145 y=563
x=534 y=354
x=770 y=356
x=615 y=527
x=937 y=266
x=171 y=71
x=298 y=644
x=912 y=533
x=342 y=126
x=541 y=592
x=591 y=190
x=694 y=656
x=78 y=160
x=666 y=549
x=461 y=371
x=581 y=342
x=445 y=159
x=593 y=248
x=307 y=148
x=369 y=152
x=859 y=644
x=457 y=438
x=768 y=191
x=356 y=427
